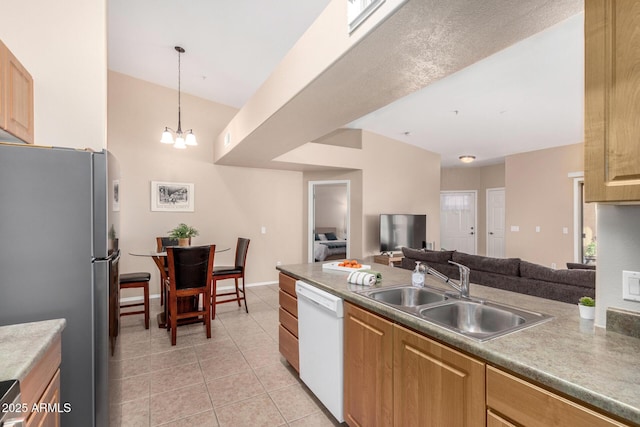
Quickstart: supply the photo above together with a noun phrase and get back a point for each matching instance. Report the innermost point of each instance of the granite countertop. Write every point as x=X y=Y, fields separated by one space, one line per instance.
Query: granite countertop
x=567 y=354
x=22 y=345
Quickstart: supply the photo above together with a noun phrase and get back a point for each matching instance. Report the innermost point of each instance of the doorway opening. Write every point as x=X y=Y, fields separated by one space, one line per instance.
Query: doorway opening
x=328 y=231
x=458 y=226
x=585 y=220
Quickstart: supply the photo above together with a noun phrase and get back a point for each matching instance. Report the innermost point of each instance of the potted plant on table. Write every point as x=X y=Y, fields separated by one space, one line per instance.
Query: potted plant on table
x=183 y=233
x=587 y=307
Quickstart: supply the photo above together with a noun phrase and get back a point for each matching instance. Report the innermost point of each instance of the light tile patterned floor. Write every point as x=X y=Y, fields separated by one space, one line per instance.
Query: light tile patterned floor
x=236 y=378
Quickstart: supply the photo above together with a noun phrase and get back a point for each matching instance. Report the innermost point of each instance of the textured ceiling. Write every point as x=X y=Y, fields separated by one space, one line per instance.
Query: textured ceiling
x=232 y=47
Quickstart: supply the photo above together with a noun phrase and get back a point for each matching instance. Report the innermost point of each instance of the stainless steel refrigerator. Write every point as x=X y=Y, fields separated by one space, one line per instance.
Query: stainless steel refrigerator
x=57 y=261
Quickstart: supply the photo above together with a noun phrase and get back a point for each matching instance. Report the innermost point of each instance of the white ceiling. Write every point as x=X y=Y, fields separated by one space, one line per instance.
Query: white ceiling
x=526 y=97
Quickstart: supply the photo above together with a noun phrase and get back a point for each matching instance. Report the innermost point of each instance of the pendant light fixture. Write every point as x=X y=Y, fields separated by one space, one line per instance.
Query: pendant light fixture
x=167 y=136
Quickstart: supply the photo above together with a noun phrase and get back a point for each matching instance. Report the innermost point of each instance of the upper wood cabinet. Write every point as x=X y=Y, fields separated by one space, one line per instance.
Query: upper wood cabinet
x=612 y=101
x=16 y=97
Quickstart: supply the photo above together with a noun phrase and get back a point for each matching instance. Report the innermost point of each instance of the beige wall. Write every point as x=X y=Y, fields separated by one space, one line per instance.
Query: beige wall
x=63 y=45
x=479 y=179
x=398 y=178
x=540 y=193
x=230 y=202
x=392 y=177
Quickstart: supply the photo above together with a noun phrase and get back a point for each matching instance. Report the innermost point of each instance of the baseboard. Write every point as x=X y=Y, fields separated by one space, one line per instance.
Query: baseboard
x=222 y=288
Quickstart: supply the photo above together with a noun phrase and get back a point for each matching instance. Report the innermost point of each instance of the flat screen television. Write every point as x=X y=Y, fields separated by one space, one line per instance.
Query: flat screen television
x=402 y=230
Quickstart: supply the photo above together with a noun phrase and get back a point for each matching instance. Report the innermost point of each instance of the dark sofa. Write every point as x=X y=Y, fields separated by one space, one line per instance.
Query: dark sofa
x=510 y=274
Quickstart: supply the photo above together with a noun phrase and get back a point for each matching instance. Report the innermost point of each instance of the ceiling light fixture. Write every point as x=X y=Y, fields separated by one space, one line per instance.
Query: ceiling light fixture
x=467 y=158
x=167 y=137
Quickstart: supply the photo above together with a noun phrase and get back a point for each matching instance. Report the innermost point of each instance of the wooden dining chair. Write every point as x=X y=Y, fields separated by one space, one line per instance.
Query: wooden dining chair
x=235 y=272
x=161 y=246
x=190 y=271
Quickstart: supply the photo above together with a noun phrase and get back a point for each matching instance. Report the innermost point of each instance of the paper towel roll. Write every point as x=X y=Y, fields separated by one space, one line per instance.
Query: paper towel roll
x=362 y=278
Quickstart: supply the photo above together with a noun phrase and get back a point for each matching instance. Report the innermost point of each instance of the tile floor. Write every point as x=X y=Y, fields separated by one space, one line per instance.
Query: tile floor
x=236 y=378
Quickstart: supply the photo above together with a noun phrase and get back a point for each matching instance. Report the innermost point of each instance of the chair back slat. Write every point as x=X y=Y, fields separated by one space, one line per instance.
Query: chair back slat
x=190 y=267
x=241 y=251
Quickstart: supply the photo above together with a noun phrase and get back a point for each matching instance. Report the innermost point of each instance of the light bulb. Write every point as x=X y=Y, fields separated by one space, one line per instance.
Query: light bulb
x=179 y=142
x=191 y=138
x=167 y=138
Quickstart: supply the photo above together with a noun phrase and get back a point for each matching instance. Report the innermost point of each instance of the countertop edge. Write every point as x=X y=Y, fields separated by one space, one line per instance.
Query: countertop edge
x=22 y=345
x=502 y=360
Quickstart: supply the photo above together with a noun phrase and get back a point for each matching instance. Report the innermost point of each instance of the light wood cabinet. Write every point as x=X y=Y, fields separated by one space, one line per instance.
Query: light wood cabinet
x=16 y=97
x=288 y=316
x=435 y=385
x=368 y=368
x=494 y=420
x=507 y=394
x=41 y=386
x=612 y=101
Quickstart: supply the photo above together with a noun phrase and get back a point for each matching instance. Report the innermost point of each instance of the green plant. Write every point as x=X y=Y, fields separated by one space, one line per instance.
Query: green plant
x=590 y=249
x=183 y=231
x=112 y=232
x=587 y=302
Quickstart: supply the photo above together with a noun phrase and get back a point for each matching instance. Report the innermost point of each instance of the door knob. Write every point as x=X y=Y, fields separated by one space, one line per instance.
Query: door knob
x=471 y=232
x=491 y=232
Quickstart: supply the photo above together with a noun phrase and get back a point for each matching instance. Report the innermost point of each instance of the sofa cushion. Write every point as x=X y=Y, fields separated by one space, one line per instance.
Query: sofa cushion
x=439 y=257
x=506 y=266
x=584 y=278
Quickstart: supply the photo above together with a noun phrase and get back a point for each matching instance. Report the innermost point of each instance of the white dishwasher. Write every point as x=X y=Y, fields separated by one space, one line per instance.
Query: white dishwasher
x=320 y=335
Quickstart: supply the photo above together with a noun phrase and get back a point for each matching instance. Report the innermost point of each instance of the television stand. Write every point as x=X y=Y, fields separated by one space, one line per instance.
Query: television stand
x=391 y=260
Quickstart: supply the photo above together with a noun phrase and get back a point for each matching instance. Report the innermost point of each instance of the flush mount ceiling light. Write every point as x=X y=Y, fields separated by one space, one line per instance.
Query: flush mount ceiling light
x=167 y=137
x=467 y=159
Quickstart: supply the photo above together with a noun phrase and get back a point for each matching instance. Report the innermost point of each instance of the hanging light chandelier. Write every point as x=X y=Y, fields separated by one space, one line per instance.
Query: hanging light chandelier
x=167 y=136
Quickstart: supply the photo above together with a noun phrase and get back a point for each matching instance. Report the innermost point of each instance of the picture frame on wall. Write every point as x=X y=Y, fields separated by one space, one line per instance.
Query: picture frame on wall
x=115 y=192
x=172 y=196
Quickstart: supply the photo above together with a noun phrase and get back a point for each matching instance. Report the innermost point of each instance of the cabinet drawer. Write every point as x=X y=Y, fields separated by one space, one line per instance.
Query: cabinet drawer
x=532 y=406
x=288 y=284
x=289 y=303
x=288 y=321
x=288 y=345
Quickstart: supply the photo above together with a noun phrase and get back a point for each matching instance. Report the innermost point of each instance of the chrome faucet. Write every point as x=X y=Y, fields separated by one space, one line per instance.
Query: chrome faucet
x=463 y=287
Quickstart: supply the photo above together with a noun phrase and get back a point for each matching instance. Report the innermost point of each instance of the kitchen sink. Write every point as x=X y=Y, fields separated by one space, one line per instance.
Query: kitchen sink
x=406 y=296
x=477 y=319
x=481 y=320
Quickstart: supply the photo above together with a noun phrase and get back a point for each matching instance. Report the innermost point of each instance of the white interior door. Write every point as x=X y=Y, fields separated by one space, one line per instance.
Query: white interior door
x=495 y=222
x=458 y=221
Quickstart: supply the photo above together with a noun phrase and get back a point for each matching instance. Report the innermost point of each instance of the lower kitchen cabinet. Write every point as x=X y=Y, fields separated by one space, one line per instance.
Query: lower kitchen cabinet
x=494 y=420
x=506 y=394
x=288 y=316
x=368 y=368
x=394 y=376
x=41 y=388
x=435 y=385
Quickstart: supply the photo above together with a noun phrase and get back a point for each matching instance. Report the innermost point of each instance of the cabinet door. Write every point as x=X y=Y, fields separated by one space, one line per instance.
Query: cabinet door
x=494 y=420
x=16 y=90
x=368 y=368
x=435 y=385
x=612 y=100
x=50 y=400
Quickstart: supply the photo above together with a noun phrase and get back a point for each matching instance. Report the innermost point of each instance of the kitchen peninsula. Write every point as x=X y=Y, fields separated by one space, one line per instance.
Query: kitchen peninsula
x=566 y=359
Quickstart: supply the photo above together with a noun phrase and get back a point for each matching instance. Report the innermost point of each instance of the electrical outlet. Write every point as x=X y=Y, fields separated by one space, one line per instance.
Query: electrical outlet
x=553 y=265
x=537 y=228
x=515 y=228
x=263 y=230
x=631 y=285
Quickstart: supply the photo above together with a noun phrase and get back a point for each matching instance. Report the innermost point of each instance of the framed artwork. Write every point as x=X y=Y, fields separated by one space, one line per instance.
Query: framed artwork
x=115 y=194
x=359 y=10
x=172 y=196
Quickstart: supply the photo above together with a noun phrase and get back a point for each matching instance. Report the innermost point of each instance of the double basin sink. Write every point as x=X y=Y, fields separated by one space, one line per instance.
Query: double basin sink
x=477 y=319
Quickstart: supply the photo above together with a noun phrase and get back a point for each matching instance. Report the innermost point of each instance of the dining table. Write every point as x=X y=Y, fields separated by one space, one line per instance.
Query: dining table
x=185 y=303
